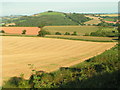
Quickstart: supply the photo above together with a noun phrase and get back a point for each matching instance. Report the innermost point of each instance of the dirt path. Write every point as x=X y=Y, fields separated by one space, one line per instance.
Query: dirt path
x=45 y=53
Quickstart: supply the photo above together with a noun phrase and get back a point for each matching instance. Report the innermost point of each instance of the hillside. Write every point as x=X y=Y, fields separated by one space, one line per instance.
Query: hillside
x=50 y=19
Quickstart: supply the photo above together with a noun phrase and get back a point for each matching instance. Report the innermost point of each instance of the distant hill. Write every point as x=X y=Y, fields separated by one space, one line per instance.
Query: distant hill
x=51 y=18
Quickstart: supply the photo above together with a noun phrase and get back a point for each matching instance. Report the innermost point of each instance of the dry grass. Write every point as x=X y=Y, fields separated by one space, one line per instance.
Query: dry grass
x=95 y=20
x=110 y=15
x=45 y=53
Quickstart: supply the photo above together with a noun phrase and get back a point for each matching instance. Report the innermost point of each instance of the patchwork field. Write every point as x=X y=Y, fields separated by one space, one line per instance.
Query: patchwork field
x=81 y=30
x=45 y=53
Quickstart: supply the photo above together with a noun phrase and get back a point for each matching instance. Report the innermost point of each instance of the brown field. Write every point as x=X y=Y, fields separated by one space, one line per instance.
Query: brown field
x=18 y=30
x=45 y=53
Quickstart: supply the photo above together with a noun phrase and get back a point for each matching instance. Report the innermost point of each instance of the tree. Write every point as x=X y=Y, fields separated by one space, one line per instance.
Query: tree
x=2 y=31
x=42 y=33
x=67 y=33
x=57 y=33
x=24 y=32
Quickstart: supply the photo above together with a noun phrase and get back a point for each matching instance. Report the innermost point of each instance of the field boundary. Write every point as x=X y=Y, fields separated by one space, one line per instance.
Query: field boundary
x=78 y=39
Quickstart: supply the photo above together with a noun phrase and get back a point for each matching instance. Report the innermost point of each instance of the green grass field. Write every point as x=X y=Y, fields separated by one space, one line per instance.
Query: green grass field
x=109 y=19
x=81 y=30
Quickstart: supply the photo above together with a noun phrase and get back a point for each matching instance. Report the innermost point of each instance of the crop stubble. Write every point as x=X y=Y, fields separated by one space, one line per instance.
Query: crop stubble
x=45 y=53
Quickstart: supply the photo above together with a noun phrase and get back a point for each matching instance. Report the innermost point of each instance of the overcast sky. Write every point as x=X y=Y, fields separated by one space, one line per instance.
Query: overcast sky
x=29 y=7
x=59 y=0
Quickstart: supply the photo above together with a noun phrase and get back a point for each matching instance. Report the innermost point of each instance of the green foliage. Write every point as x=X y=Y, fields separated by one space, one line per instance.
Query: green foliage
x=105 y=33
x=50 y=18
x=42 y=33
x=79 y=18
x=2 y=31
x=67 y=33
x=24 y=32
x=74 y=33
x=57 y=33
x=104 y=24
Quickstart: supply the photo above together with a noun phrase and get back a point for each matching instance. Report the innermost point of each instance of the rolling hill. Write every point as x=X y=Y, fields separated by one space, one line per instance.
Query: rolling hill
x=50 y=19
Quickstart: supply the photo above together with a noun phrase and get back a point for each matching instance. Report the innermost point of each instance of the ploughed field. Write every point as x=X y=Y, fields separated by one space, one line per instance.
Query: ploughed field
x=18 y=30
x=46 y=54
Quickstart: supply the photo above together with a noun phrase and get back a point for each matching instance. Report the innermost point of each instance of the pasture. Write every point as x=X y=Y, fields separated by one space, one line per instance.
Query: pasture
x=81 y=30
x=45 y=54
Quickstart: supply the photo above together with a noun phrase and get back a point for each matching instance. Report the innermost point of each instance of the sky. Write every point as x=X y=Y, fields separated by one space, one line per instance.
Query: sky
x=59 y=0
x=30 y=7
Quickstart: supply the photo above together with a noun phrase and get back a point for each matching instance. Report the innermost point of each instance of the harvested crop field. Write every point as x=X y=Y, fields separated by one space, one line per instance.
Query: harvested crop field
x=18 y=30
x=95 y=20
x=45 y=53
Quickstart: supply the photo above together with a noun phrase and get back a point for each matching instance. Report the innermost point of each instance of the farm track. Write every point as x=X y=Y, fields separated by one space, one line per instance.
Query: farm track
x=45 y=53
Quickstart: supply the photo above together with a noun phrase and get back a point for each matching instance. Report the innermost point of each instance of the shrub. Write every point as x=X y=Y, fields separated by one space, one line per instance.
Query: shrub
x=24 y=32
x=74 y=33
x=57 y=33
x=2 y=31
x=67 y=33
x=43 y=32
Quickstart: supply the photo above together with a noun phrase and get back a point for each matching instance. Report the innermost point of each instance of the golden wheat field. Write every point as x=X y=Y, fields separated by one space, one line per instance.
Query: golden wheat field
x=45 y=53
